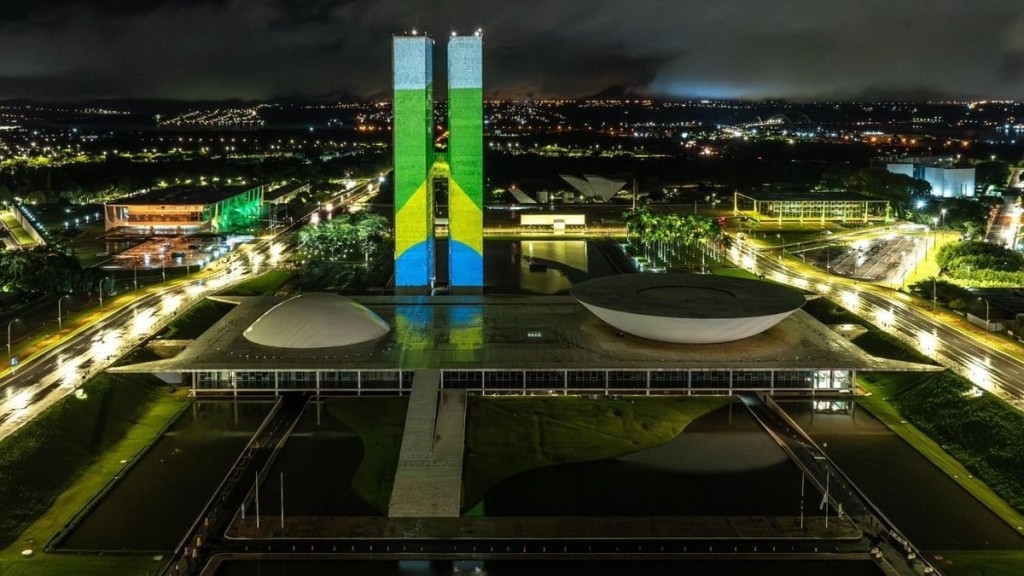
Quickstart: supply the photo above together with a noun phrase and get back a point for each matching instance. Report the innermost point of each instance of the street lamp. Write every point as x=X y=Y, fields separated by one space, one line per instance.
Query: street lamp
x=9 y=324
x=935 y=224
x=105 y=278
x=986 y=312
x=135 y=275
x=60 y=315
x=943 y=217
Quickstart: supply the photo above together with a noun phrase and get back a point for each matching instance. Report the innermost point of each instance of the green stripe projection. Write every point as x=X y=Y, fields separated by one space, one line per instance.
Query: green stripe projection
x=465 y=156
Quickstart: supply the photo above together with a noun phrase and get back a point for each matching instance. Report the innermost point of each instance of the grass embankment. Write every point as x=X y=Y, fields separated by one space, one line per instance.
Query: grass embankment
x=379 y=423
x=975 y=428
x=54 y=465
x=965 y=433
x=874 y=341
x=16 y=230
x=507 y=436
x=733 y=272
x=197 y=319
x=972 y=436
x=983 y=563
x=265 y=284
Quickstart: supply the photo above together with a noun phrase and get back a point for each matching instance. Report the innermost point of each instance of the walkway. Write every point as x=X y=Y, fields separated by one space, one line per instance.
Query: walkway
x=893 y=553
x=428 y=482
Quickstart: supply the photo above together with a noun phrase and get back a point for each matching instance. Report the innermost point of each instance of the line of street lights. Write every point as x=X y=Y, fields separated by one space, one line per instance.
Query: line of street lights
x=9 y=357
x=60 y=316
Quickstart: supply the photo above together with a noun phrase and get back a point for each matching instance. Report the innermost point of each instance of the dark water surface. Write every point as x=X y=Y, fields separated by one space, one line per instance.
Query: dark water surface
x=932 y=510
x=318 y=462
x=154 y=505
x=722 y=464
x=556 y=265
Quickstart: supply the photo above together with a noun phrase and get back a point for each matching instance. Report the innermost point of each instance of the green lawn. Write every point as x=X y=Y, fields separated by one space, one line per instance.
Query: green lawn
x=967 y=435
x=880 y=388
x=733 y=272
x=828 y=312
x=265 y=284
x=878 y=343
x=19 y=233
x=982 y=563
x=197 y=319
x=507 y=436
x=878 y=403
x=57 y=463
x=379 y=423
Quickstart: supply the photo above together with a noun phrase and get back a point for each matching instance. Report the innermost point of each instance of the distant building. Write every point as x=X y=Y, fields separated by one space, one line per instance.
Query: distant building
x=810 y=207
x=946 y=181
x=286 y=193
x=559 y=223
x=595 y=187
x=186 y=209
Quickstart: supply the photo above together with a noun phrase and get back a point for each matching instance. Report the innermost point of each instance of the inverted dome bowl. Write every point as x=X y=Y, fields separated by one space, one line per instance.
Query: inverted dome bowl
x=688 y=308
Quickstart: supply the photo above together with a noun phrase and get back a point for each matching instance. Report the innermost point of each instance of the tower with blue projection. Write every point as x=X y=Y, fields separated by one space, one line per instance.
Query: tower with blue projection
x=418 y=164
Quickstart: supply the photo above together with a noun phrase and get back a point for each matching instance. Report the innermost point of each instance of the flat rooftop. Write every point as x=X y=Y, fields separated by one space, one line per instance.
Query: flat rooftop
x=518 y=332
x=176 y=195
x=786 y=196
x=281 y=191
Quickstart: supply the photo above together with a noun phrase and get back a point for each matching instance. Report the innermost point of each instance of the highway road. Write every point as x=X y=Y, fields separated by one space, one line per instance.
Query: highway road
x=989 y=362
x=1002 y=229
x=36 y=385
x=61 y=370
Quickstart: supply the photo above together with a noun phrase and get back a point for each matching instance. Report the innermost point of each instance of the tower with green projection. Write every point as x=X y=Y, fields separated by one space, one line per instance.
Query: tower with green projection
x=418 y=165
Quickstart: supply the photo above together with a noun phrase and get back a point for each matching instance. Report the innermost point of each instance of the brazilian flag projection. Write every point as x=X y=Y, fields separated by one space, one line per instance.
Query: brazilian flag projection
x=465 y=154
x=416 y=163
x=414 y=156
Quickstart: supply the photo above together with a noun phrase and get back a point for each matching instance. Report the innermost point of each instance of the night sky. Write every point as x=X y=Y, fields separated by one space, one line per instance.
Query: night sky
x=329 y=49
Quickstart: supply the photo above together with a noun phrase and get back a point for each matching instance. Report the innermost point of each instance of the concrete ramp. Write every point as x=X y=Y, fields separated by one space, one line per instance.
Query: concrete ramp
x=428 y=482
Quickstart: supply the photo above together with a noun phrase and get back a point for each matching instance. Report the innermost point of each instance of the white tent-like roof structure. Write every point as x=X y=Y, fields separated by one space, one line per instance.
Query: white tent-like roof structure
x=594 y=186
x=316 y=320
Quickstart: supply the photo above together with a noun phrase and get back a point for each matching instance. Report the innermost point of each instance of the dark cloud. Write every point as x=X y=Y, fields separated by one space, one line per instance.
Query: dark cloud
x=21 y=10
x=258 y=49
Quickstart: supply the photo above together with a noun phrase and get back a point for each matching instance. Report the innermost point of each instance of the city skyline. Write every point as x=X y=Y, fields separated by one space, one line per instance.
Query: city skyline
x=267 y=49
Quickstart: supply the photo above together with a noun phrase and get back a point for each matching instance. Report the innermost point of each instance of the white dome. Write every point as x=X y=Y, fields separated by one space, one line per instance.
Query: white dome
x=316 y=321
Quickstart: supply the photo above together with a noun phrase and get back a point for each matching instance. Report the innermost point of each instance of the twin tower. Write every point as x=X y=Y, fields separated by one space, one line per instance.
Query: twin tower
x=419 y=164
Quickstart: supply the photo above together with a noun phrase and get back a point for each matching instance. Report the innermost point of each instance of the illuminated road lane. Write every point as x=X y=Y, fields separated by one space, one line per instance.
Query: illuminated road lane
x=963 y=351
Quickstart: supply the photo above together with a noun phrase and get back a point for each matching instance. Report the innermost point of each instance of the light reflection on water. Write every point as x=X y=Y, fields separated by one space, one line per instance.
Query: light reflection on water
x=541 y=266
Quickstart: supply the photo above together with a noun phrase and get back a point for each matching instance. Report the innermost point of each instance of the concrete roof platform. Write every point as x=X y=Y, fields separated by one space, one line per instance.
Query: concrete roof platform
x=517 y=332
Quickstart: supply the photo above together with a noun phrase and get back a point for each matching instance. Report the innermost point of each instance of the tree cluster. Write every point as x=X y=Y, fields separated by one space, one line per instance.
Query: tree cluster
x=993 y=173
x=361 y=234
x=981 y=262
x=665 y=233
x=43 y=270
x=899 y=189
